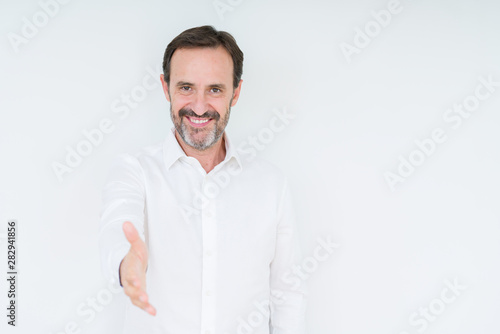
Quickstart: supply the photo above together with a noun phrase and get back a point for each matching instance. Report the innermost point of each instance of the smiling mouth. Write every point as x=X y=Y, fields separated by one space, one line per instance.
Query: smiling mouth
x=198 y=122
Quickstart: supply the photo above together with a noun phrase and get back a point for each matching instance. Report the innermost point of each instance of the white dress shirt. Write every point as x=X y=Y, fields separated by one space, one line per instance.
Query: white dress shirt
x=220 y=244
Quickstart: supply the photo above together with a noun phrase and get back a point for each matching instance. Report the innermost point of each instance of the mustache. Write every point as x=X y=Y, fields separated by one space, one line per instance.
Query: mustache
x=207 y=114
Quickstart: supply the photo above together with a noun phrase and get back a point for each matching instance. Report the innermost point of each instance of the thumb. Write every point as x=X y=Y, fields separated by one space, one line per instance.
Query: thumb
x=135 y=240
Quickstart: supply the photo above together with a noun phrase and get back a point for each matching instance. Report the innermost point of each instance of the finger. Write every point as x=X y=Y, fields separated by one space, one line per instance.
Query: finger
x=130 y=232
x=151 y=310
x=136 y=293
x=140 y=299
x=148 y=308
x=133 y=237
x=135 y=288
x=142 y=303
x=132 y=282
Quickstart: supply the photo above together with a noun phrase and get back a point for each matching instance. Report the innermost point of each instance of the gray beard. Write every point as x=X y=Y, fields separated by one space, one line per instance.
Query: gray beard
x=209 y=139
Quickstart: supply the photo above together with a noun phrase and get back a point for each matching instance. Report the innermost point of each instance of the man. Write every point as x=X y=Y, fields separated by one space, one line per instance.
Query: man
x=202 y=240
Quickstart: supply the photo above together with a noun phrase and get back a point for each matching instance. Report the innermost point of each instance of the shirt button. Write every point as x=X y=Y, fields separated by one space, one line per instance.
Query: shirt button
x=208 y=214
x=207 y=332
x=208 y=293
x=208 y=253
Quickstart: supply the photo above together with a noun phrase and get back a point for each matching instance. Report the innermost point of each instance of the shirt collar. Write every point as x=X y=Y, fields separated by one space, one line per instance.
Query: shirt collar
x=172 y=151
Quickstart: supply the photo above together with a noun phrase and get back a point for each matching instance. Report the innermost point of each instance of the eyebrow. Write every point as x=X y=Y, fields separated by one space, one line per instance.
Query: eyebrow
x=214 y=85
x=217 y=85
x=184 y=83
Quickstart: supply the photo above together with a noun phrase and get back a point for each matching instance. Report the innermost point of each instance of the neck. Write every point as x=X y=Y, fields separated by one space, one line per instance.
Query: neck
x=208 y=158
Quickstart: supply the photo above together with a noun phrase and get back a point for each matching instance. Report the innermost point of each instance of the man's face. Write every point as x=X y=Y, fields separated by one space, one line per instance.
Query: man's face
x=201 y=94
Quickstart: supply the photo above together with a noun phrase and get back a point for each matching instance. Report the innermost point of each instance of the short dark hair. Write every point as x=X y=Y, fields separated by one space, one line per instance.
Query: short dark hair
x=205 y=37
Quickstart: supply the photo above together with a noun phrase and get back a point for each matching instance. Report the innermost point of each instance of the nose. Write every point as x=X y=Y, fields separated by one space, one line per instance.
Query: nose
x=199 y=104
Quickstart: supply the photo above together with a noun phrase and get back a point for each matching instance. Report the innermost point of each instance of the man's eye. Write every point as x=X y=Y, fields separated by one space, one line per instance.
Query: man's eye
x=185 y=88
x=215 y=90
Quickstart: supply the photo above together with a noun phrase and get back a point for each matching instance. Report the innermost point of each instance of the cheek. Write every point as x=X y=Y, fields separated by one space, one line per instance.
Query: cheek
x=220 y=105
x=179 y=102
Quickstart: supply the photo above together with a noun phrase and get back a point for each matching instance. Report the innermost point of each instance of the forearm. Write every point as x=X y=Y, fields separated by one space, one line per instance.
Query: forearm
x=123 y=200
x=288 y=300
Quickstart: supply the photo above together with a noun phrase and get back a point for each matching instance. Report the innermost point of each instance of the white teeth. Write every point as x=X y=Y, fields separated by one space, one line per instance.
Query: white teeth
x=198 y=121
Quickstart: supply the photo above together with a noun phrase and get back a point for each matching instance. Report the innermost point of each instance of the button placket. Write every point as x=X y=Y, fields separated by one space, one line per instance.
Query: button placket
x=209 y=239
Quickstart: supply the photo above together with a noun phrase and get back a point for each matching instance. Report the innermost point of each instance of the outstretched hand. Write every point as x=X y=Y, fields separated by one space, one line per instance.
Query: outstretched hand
x=133 y=270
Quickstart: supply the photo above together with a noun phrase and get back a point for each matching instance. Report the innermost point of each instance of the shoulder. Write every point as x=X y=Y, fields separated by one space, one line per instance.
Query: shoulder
x=152 y=151
x=137 y=160
x=144 y=154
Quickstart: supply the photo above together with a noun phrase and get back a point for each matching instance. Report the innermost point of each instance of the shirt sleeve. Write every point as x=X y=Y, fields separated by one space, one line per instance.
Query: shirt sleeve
x=288 y=291
x=123 y=200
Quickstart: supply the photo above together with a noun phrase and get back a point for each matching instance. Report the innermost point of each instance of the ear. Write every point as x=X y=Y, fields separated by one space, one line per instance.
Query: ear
x=165 y=87
x=236 y=93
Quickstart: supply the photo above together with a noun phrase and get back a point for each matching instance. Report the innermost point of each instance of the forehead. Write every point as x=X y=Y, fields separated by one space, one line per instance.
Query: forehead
x=201 y=64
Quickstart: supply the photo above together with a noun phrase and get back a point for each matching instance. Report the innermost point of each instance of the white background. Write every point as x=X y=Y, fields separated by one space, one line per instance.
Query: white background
x=354 y=119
